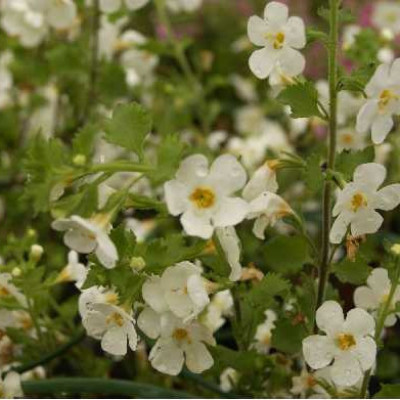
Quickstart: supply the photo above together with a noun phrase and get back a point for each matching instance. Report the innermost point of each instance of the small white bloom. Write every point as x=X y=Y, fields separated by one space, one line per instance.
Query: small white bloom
x=263 y=180
x=113 y=326
x=357 y=202
x=280 y=37
x=350 y=139
x=303 y=384
x=215 y=139
x=111 y=6
x=386 y=55
x=180 y=289
x=231 y=246
x=245 y=88
x=383 y=92
x=350 y=33
x=386 y=15
x=181 y=343
x=228 y=379
x=375 y=295
x=347 y=342
x=263 y=336
x=10 y=386
x=9 y=290
x=89 y=235
x=74 y=271
x=220 y=307
x=96 y=294
x=204 y=196
x=249 y=120
x=183 y=5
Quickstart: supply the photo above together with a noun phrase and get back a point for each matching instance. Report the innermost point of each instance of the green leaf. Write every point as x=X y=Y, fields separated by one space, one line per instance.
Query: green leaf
x=302 y=97
x=287 y=336
x=286 y=254
x=313 y=176
x=169 y=154
x=388 y=392
x=129 y=126
x=314 y=35
x=355 y=272
x=358 y=79
x=347 y=161
x=84 y=139
x=345 y=16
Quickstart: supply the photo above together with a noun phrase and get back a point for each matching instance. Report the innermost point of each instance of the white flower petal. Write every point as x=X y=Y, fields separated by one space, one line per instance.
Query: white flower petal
x=359 y=322
x=339 y=227
x=292 y=62
x=295 y=33
x=192 y=169
x=379 y=281
x=198 y=358
x=262 y=62
x=365 y=352
x=197 y=291
x=106 y=251
x=197 y=225
x=61 y=14
x=256 y=30
x=372 y=175
x=176 y=197
x=109 y=6
x=153 y=294
x=149 y=322
x=367 y=221
x=364 y=297
x=318 y=351
x=230 y=244
x=263 y=180
x=231 y=211
x=381 y=126
x=276 y=13
x=329 y=317
x=389 y=197
x=114 y=341
x=166 y=357
x=227 y=174
x=366 y=116
x=79 y=241
x=132 y=336
x=346 y=370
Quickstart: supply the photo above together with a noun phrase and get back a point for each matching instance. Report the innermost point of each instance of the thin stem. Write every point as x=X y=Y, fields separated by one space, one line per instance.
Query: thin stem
x=99 y=386
x=326 y=205
x=51 y=356
x=94 y=67
x=381 y=324
x=119 y=166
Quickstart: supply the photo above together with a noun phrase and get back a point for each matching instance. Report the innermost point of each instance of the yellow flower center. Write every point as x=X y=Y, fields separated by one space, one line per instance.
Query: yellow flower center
x=347 y=138
x=180 y=334
x=116 y=319
x=346 y=341
x=111 y=298
x=277 y=39
x=358 y=201
x=385 y=98
x=203 y=197
x=4 y=292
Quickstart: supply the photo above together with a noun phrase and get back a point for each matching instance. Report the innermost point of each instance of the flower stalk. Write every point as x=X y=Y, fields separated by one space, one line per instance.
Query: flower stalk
x=328 y=187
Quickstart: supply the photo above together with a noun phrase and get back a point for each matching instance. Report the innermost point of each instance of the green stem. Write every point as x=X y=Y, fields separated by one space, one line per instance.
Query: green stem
x=99 y=386
x=119 y=166
x=183 y=62
x=380 y=325
x=327 y=195
x=51 y=356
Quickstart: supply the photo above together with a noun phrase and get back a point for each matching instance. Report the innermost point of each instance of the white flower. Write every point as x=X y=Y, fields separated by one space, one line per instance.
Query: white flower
x=230 y=243
x=220 y=307
x=249 y=120
x=280 y=37
x=383 y=91
x=179 y=343
x=350 y=139
x=266 y=207
x=203 y=195
x=244 y=87
x=349 y=36
x=216 y=138
x=113 y=326
x=357 y=202
x=111 y=6
x=262 y=338
x=96 y=294
x=303 y=384
x=386 y=15
x=228 y=379
x=10 y=386
x=9 y=290
x=181 y=289
x=347 y=342
x=88 y=235
x=140 y=228
x=183 y=5
x=74 y=271
x=375 y=295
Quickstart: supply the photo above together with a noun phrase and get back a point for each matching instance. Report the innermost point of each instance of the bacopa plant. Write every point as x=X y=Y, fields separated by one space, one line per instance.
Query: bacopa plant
x=199 y=198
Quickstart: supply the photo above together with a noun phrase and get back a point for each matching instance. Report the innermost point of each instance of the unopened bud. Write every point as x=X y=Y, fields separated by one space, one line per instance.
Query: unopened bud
x=31 y=232
x=137 y=263
x=16 y=272
x=79 y=160
x=395 y=249
x=36 y=252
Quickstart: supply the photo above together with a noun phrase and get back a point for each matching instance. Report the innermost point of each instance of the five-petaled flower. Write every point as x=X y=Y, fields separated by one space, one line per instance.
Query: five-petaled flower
x=383 y=91
x=357 y=202
x=204 y=196
x=347 y=342
x=280 y=36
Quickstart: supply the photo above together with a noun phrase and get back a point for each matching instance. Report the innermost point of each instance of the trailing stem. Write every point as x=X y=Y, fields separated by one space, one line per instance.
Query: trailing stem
x=327 y=193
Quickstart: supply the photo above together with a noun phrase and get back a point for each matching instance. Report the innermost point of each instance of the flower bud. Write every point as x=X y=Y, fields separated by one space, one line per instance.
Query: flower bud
x=79 y=160
x=36 y=252
x=137 y=263
x=16 y=272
